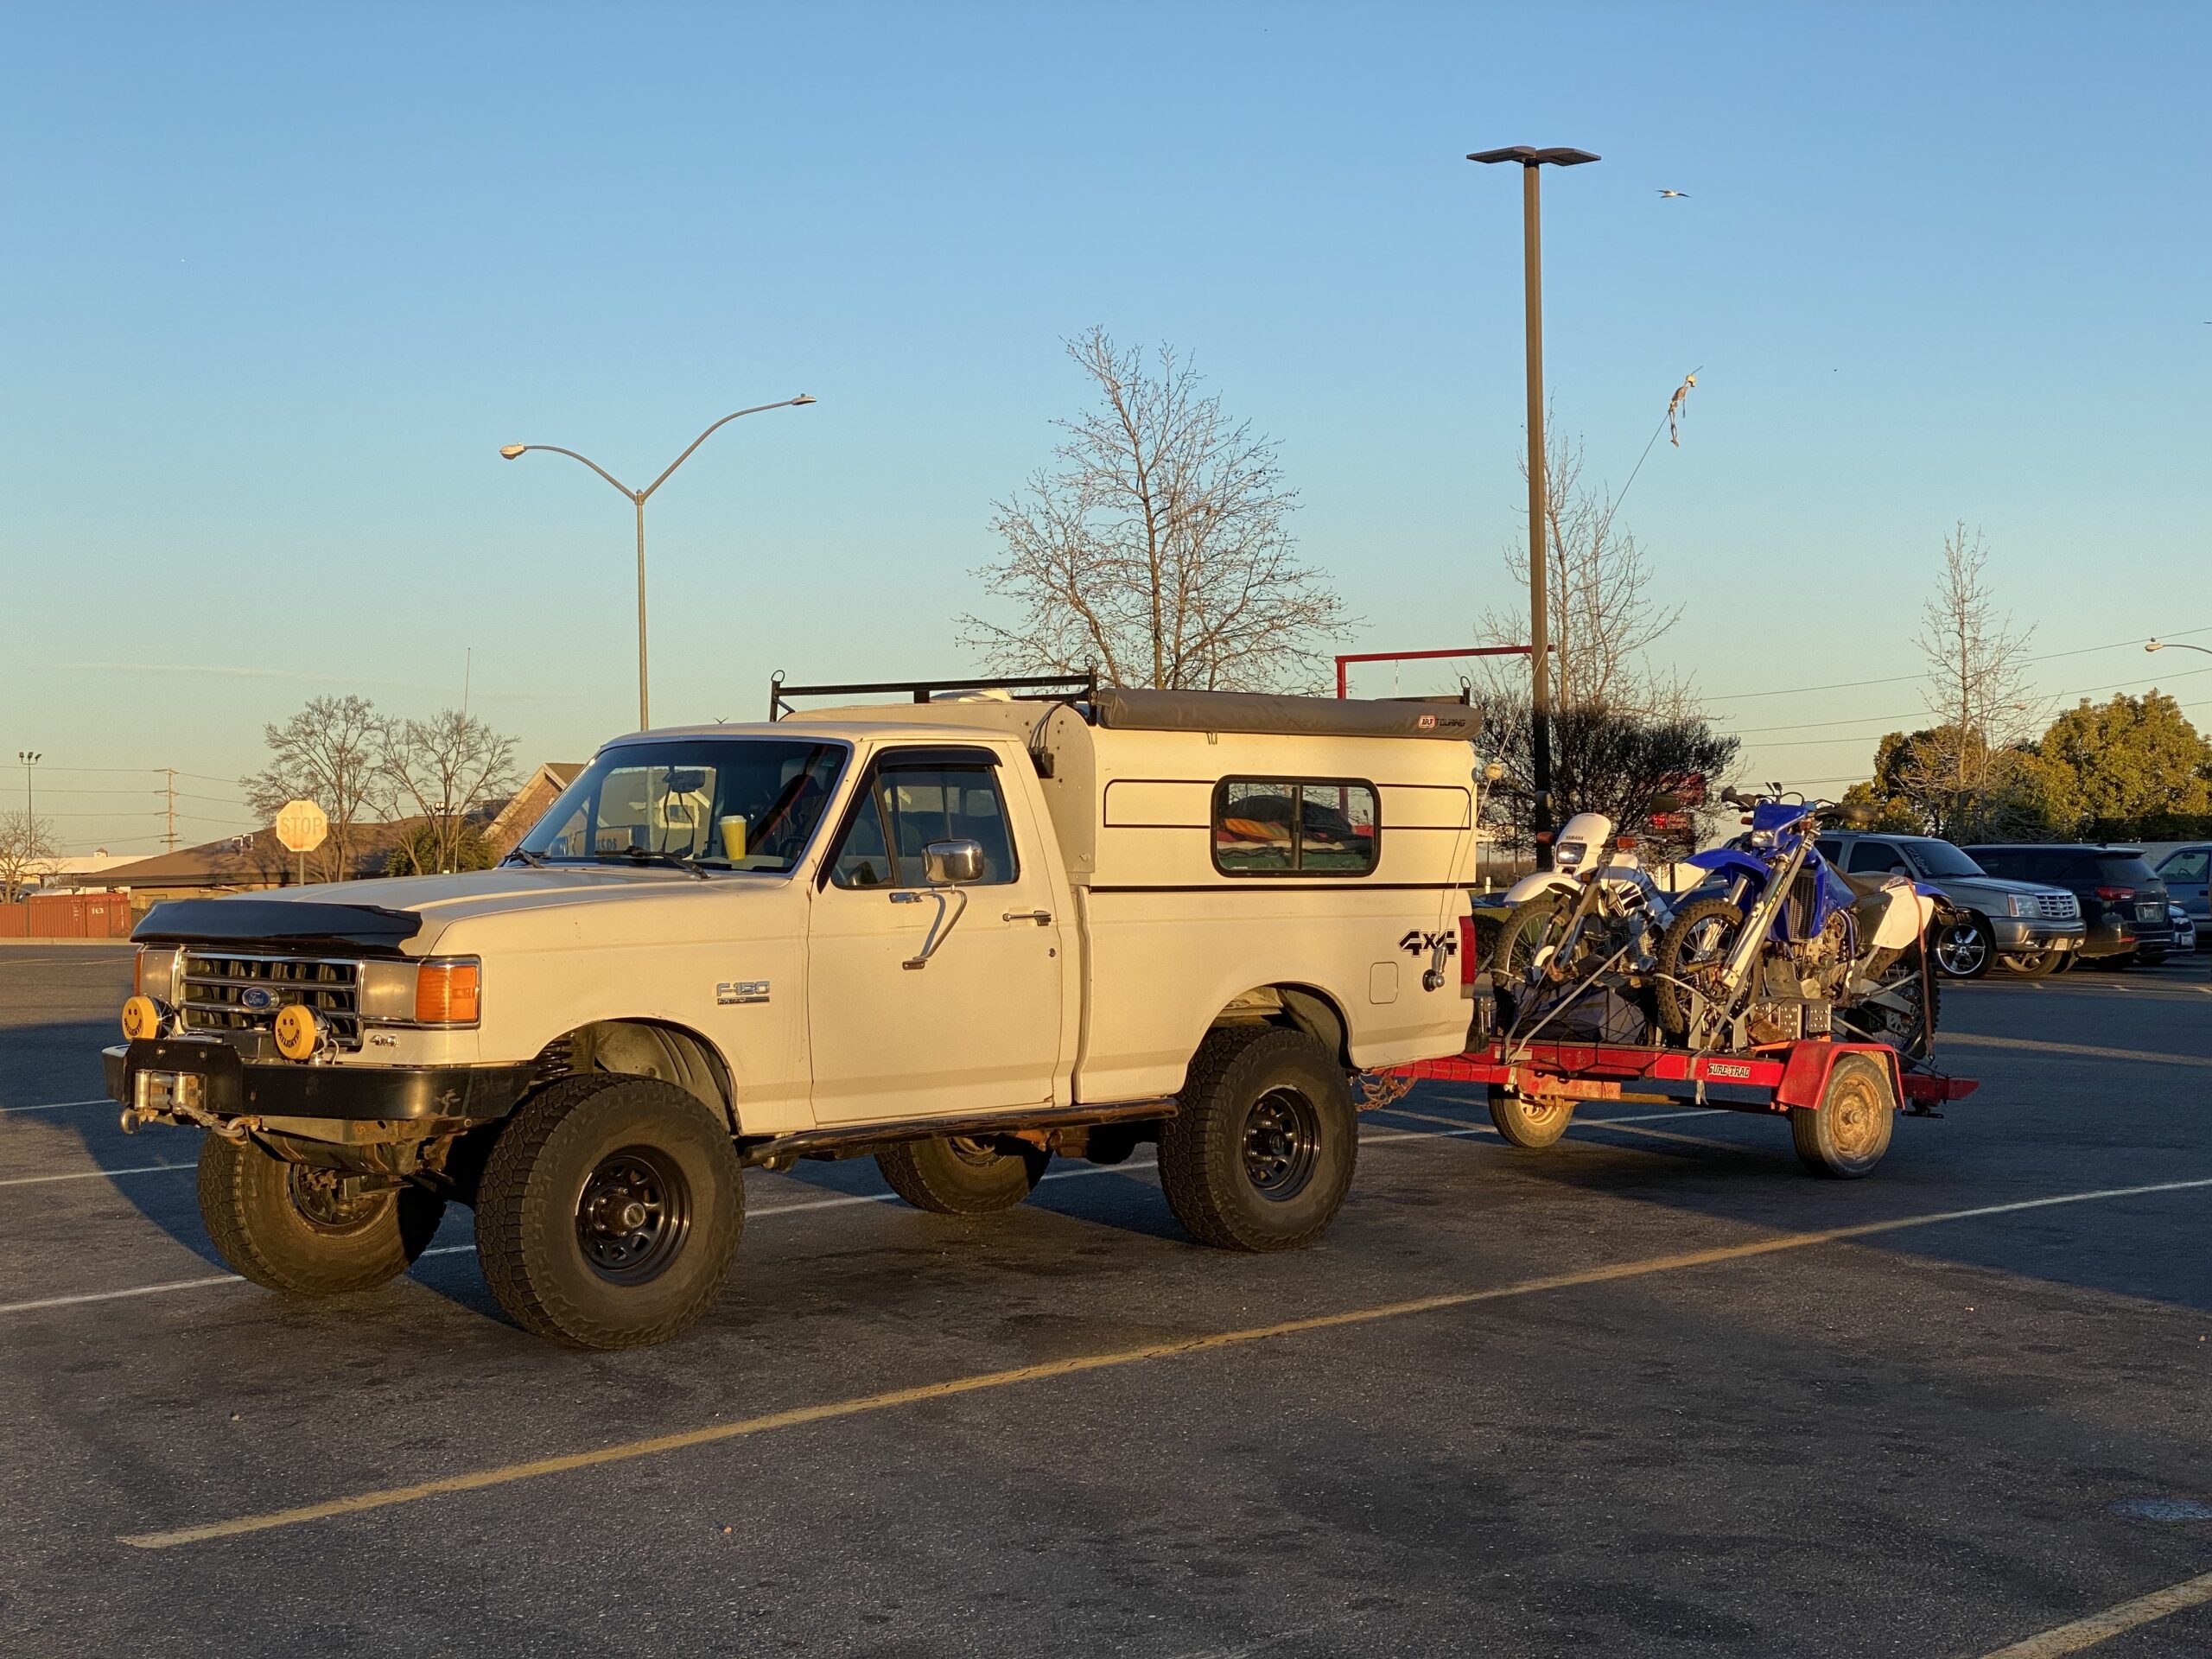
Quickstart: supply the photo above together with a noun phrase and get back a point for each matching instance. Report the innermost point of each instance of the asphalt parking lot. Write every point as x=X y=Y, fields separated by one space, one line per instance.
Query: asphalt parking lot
x=1633 y=1395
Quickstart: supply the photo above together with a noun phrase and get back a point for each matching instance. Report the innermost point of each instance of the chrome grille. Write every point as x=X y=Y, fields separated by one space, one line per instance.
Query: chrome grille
x=2058 y=906
x=229 y=991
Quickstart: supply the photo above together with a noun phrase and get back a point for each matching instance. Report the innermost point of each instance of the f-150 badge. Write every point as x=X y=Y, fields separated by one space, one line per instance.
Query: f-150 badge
x=741 y=990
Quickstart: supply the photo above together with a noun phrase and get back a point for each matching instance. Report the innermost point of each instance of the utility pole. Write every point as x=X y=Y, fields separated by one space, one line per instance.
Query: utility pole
x=1532 y=279
x=168 y=838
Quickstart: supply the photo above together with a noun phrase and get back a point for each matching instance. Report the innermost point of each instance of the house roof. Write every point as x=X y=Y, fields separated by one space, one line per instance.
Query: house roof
x=258 y=858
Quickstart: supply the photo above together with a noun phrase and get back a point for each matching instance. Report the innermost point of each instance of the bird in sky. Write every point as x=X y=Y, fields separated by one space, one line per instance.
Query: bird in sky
x=1682 y=194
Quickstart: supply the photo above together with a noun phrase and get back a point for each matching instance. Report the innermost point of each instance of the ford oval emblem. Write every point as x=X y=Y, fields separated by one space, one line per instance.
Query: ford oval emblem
x=253 y=996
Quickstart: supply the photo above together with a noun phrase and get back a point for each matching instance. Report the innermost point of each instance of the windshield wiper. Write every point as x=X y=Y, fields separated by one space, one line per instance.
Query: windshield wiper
x=642 y=855
x=536 y=861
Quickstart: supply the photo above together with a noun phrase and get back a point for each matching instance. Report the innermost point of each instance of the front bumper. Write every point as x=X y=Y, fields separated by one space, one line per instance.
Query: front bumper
x=2019 y=934
x=232 y=1087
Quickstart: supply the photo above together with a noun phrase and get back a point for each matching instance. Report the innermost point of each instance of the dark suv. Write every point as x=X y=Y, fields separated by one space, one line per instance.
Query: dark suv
x=2123 y=904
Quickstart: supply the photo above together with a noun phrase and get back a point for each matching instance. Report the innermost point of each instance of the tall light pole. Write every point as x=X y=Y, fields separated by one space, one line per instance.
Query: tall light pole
x=515 y=451
x=1532 y=277
x=29 y=761
x=2176 y=645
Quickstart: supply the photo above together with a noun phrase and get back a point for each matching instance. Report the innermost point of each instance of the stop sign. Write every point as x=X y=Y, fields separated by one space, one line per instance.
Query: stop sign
x=301 y=825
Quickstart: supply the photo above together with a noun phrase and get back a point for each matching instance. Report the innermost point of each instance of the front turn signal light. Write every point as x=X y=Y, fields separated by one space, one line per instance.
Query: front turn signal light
x=142 y=1018
x=447 y=992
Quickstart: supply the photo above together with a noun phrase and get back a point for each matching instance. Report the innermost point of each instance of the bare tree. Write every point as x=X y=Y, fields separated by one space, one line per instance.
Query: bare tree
x=1604 y=614
x=1961 y=772
x=1158 y=549
x=445 y=769
x=27 y=848
x=330 y=753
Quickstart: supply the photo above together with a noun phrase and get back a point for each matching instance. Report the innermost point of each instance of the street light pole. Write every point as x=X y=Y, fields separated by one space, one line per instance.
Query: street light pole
x=2176 y=645
x=638 y=498
x=1532 y=278
x=30 y=761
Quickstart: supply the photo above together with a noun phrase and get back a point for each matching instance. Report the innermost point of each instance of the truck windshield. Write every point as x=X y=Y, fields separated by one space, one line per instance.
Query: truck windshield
x=708 y=803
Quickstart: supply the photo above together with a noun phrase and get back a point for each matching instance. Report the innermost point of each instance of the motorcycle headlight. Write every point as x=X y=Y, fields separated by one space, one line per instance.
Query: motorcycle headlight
x=1761 y=838
x=1568 y=856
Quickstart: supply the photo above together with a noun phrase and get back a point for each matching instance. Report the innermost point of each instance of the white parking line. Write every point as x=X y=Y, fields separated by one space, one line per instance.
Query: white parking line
x=89 y=1174
x=58 y=1105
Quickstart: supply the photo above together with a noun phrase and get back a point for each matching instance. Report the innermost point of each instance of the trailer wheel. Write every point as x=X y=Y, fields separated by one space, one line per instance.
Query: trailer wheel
x=609 y=1211
x=1847 y=1134
x=1532 y=1123
x=962 y=1174
x=286 y=1227
x=1260 y=1153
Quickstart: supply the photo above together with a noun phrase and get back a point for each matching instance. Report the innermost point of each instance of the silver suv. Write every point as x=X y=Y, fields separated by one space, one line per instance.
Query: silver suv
x=2030 y=927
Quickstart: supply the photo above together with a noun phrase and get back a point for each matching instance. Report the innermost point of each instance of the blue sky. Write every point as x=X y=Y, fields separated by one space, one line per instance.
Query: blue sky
x=278 y=281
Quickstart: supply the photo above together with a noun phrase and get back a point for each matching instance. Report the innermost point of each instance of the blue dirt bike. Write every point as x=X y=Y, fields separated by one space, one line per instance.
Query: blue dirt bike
x=1780 y=944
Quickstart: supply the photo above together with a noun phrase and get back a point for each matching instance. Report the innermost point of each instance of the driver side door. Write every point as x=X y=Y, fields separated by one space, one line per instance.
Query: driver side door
x=977 y=1026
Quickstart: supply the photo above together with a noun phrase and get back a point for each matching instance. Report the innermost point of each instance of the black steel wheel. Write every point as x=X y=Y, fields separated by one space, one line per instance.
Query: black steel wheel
x=309 y=1231
x=1261 y=1149
x=633 y=1215
x=609 y=1211
x=963 y=1174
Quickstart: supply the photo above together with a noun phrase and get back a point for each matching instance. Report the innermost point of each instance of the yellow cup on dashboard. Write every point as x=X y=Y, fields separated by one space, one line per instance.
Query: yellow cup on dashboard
x=733 y=839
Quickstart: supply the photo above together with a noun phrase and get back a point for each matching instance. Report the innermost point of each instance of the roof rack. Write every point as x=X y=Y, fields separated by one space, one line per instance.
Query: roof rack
x=1049 y=688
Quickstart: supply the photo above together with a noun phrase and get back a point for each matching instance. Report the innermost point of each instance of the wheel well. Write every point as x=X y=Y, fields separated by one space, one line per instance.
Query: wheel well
x=648 y=1048
x=1310 y=1011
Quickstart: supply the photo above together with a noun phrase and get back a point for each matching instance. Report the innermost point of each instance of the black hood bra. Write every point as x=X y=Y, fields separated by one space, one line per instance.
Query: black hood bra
x=244 y=921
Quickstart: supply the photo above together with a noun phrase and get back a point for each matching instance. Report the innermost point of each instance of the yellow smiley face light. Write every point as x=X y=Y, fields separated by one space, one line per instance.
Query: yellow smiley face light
x=299 y=1034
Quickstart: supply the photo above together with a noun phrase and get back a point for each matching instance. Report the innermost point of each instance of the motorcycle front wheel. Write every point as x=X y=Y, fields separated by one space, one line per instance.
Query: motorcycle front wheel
x=1693 y=952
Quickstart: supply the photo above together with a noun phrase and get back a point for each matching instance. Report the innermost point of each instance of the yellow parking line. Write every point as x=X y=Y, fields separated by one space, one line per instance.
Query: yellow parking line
x=506 y=1474
x=2113 y=1620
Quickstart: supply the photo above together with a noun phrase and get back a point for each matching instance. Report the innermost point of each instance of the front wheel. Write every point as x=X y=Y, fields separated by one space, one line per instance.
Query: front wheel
x=2033 y=964
x=609 y=1211
x=289 y=1227
x=961 y=1175
x=1963 y=950
x=1261 y=1151
x=1694 y=956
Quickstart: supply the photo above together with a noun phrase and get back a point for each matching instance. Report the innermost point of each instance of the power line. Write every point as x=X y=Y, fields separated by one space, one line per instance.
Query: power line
x=1898 y=679
x=1871 y=721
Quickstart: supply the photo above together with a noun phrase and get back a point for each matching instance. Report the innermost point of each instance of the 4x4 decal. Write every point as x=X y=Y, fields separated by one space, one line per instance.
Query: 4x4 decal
x=1417 y=943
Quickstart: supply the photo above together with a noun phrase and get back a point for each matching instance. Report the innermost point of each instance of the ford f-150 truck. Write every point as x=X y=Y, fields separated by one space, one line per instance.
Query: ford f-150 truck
x=963 y=934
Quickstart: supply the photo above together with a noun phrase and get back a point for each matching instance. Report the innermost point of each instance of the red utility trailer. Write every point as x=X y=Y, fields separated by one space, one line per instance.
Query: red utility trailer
x=1840 y=1098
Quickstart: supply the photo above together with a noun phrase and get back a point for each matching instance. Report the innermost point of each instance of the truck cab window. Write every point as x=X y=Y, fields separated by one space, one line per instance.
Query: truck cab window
x=1263 y=827
x=907 y=809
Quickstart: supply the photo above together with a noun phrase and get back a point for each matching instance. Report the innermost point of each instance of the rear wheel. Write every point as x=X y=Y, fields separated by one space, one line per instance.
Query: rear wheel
x=609 y=1211
x=1532 y=1123
x=1846 y=1135
x=1261 y=1151
x=962 y=1174
x=293 y=1228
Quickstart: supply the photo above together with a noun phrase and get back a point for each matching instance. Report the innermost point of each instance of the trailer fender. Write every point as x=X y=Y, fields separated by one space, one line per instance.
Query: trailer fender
x=1805 y=1076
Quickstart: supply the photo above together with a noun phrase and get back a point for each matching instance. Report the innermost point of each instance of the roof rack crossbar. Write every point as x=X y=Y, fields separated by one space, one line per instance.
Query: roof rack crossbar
x=1045 y=688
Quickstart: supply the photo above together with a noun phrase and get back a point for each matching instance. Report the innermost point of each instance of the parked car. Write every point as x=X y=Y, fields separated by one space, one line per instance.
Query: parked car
x=2122 y=902
x=2184 y=871
x=2033 y=928
x=2184 y=927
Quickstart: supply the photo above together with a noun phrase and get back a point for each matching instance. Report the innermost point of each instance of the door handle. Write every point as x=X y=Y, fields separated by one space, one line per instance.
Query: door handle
x=1042 y=917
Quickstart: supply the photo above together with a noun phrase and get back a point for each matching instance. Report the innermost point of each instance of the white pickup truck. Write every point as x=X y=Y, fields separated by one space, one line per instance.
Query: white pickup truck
x=962 y=934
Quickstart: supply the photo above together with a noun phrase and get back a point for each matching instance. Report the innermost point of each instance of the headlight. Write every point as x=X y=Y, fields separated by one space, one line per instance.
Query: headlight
x=2020 y=904
x=444 y=991
x=1568 y=856
x=1761 y=838
x=153 y=972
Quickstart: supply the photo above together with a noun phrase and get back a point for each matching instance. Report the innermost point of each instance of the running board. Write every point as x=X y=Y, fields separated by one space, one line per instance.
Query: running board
x=842 y=1142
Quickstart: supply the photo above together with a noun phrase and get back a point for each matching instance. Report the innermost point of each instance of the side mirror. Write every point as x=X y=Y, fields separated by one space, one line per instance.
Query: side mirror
x=952 y=864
